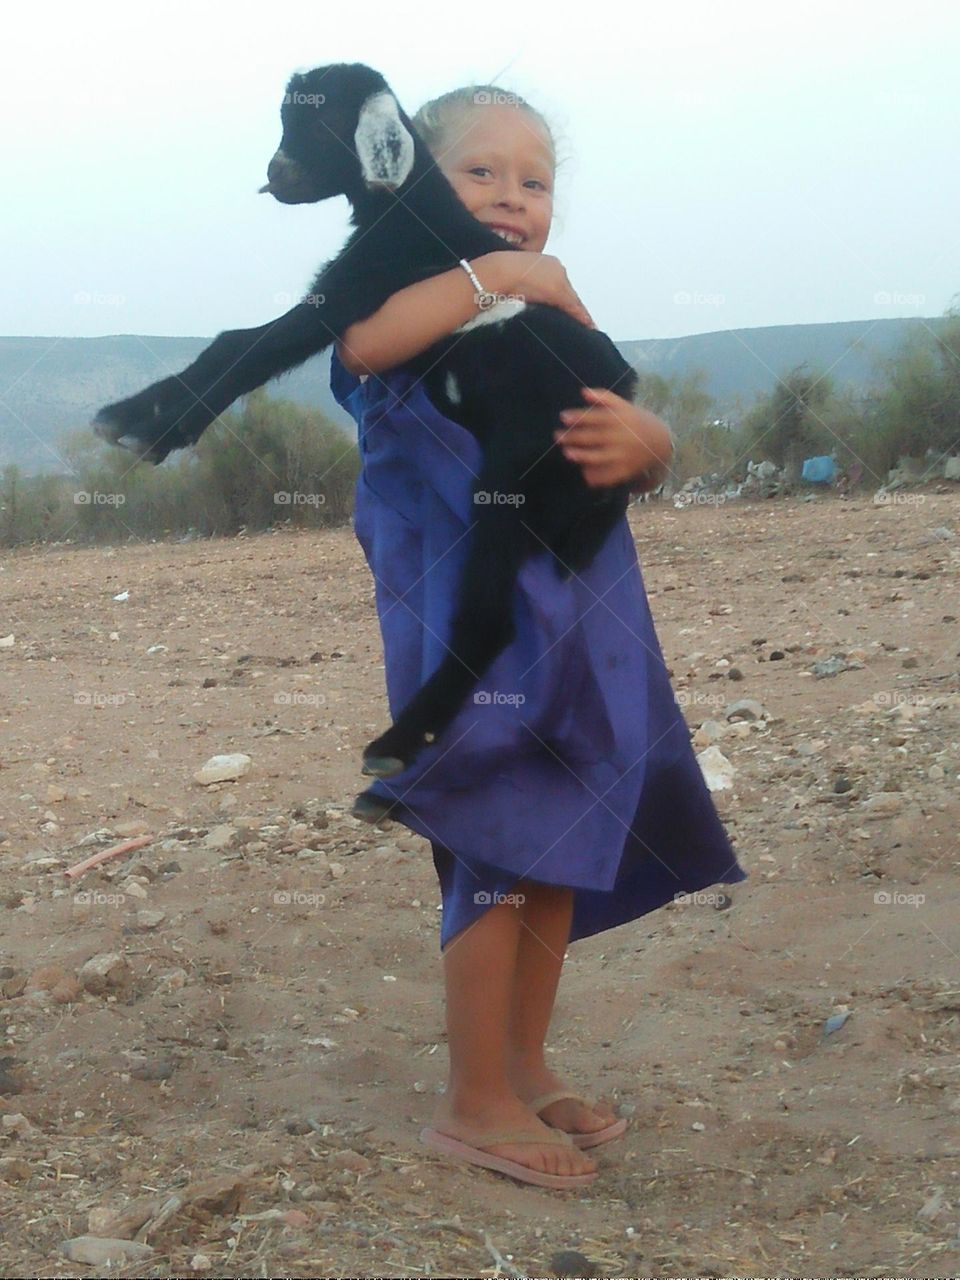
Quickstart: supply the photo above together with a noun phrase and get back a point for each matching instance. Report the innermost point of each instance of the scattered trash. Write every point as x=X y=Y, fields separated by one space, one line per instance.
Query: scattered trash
x=835 y=1022
x=819 y=470
x=125 y=846
x=122 y=595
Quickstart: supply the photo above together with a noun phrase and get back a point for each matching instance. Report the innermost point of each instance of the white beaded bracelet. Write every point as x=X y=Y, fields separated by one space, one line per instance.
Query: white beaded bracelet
x=485 y=298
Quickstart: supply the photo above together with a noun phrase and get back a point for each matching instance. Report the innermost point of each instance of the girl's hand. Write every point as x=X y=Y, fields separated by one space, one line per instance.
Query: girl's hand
x=615 y=441
x=535 y=277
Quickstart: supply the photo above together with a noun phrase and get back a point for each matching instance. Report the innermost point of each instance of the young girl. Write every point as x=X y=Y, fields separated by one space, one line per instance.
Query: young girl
x=565 y=799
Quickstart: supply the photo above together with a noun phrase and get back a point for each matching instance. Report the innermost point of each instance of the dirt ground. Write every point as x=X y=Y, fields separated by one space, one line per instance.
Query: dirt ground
x=275 y=1018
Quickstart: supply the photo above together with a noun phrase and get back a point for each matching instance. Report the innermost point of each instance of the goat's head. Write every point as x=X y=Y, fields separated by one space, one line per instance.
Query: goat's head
x=342 y=129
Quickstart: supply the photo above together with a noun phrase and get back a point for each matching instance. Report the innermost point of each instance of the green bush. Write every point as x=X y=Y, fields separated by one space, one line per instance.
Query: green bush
x=272 y=463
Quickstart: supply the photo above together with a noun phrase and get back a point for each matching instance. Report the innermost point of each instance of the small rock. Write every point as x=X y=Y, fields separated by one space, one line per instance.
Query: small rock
x=223 y=836
x=105 y=973
x=47 y=977
x=153 y=1069
x=717 y=770
x=829 y=667
x=150 y=918
x=13 y=1170
x=883 y=804
x=18 y=1124
x=171 y=980
x=351 y=1160
x=135 y=827
x=568 y=1262
x=69 y=991
x=224 y=768
x=710 y=731
x=841 y=785
x=98 y=1251
x=744 y=709
x=134 y=888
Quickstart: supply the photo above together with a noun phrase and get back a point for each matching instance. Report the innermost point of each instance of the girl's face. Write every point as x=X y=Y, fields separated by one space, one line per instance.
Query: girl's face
x=500 y=163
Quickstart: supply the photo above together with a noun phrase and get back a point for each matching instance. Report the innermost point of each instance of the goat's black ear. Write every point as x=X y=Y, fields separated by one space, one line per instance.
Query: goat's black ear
x=384 y=144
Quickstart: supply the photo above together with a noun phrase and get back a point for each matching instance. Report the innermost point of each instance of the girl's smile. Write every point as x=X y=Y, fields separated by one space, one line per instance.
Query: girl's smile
x=501 y=165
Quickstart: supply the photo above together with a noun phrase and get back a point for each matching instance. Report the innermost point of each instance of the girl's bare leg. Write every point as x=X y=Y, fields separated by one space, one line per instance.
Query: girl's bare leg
x=479 y=968
x=545 y=918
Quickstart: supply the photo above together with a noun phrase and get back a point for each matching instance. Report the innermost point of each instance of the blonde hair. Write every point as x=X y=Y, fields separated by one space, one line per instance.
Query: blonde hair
x=437 y=118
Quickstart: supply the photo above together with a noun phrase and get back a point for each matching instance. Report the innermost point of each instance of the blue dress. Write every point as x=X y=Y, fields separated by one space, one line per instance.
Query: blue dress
x=571 y=763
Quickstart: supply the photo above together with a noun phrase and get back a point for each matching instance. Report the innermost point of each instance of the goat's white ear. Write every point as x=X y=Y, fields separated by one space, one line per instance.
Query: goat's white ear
x=384 y=145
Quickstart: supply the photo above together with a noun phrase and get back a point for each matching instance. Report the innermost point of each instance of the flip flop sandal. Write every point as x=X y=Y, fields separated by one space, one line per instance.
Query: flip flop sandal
x=582 y=1140
x=472 y=1154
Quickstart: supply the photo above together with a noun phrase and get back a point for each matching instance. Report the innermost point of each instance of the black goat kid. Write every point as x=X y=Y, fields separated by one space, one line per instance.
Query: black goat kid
x=505 y=376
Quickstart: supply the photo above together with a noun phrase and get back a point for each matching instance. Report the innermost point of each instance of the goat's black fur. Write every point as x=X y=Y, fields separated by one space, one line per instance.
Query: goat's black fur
x=510 y=378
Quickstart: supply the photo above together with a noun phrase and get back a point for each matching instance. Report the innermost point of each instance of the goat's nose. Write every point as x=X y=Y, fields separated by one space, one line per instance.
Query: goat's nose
x=279 y=167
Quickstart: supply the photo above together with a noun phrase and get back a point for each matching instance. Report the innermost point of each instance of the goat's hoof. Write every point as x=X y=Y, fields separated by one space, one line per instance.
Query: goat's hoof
x=382 y=766
x=371 y=808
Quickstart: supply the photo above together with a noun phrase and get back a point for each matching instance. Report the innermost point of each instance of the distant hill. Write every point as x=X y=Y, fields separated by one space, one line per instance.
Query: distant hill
x=52 y=385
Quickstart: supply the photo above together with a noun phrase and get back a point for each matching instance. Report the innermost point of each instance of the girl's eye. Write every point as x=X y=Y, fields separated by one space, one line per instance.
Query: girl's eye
x=481 y=167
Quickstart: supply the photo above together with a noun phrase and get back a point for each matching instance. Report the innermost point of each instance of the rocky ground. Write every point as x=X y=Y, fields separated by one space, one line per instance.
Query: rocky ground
x=224 y=1042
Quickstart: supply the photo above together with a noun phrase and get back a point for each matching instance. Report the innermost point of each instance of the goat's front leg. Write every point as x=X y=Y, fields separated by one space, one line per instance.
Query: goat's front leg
x=174 y=412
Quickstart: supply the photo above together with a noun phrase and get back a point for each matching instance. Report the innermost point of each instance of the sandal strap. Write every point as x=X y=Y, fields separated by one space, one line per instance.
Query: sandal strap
x=545 y=1099
x=554 y=1138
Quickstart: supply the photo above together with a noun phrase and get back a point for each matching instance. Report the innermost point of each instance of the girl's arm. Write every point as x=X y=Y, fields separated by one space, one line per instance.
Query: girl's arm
x=414 y=318
x=613 y=440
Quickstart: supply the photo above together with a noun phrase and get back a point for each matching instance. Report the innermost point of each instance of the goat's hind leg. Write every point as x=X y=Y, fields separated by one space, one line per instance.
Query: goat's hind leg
x=482 y=628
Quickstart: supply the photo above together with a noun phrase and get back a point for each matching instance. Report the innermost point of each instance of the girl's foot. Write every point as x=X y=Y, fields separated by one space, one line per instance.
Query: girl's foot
x=573 y=1117
x=466 y=1121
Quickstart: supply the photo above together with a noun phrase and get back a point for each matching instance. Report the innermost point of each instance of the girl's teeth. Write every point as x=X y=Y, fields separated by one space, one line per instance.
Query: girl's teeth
x=510 y=236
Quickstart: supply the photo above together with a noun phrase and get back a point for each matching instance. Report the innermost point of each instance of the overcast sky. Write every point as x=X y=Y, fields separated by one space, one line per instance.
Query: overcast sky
x=729 y=165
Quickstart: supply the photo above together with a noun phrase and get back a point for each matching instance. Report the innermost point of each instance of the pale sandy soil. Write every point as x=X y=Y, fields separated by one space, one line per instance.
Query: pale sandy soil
x=303 y=1041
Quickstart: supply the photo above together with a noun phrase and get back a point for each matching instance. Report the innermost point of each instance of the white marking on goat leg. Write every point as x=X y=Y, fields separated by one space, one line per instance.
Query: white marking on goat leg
x=384 y=145
x=452 y=388
x=499 y=312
